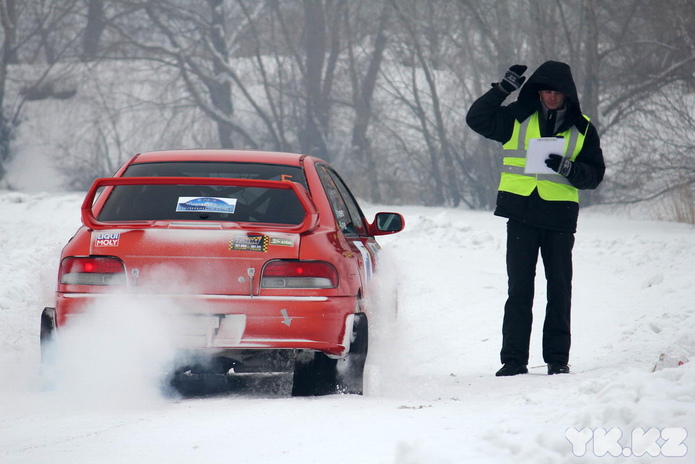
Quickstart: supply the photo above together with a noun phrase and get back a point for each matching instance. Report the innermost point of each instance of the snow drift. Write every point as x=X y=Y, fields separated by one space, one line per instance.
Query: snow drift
x=431 y=395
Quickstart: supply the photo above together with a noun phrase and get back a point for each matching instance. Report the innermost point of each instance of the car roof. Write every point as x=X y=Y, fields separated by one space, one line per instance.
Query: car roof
x=219 y=155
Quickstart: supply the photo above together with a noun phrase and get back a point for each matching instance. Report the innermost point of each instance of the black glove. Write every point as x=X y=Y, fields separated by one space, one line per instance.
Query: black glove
x=559 y=164
x=513 y=79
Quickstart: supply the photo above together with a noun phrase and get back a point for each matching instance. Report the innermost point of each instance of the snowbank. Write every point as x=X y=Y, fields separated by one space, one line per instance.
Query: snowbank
x=431 y=396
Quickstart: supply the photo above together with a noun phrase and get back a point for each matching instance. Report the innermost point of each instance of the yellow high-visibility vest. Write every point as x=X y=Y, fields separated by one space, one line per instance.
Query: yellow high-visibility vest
x=551 y=187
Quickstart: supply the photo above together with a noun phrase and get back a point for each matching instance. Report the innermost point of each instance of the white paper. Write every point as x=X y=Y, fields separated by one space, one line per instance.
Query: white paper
x=538 y=151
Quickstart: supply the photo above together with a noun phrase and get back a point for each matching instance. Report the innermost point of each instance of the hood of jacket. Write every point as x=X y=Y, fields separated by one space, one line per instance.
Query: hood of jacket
x=550 y=75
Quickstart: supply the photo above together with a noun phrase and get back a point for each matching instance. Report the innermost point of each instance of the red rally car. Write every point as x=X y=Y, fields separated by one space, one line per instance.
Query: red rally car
x=275 y=251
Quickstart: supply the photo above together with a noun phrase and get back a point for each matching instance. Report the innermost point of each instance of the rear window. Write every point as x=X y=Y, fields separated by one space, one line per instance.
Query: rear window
x=215 y=203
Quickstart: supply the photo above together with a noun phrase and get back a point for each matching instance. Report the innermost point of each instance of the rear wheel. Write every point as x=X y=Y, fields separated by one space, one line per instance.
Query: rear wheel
x=47 y=339
x=317 y=374
x=47 y=332
x=351 y=368
x=314 y=374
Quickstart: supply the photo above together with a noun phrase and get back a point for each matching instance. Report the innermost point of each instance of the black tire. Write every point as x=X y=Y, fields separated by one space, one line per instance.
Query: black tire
x=48 y=349
x=316 y=374
x=47 y=334
x=351 y=368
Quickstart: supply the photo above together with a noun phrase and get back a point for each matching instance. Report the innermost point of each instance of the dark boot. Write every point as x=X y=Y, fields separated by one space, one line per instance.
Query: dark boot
x=512 y=368
x=558 y=369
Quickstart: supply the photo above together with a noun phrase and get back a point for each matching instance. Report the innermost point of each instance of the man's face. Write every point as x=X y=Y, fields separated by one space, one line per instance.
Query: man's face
x=552 y=99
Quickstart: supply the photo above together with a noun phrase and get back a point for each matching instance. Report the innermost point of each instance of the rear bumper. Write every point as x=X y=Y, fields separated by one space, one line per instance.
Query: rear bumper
x=221 y=322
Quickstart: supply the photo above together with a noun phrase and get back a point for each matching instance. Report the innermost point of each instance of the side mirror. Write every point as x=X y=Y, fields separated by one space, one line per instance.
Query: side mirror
x=387 y=223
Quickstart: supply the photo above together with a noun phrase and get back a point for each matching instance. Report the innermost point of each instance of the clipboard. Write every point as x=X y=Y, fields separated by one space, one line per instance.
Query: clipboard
x=538 y=151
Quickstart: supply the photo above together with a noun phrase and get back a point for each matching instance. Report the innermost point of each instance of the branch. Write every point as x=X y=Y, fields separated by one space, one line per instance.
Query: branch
x=652 y=84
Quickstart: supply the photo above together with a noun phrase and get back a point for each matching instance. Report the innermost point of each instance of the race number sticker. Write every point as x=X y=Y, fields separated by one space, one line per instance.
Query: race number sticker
x=206 y=205
x=249 y=243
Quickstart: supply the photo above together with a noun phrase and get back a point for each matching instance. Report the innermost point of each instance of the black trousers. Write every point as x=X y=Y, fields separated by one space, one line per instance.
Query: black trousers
x=523 y=244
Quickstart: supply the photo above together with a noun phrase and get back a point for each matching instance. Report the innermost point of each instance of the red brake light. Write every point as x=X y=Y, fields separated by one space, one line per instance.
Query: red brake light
x=92 y=270
x=299 y=274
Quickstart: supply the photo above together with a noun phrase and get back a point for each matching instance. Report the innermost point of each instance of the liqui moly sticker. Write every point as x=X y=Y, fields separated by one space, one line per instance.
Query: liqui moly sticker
x=107 y=239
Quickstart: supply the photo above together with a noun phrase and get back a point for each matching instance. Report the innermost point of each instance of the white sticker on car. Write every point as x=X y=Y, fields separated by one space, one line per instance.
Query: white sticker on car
x=206 y=205
x=281 y=241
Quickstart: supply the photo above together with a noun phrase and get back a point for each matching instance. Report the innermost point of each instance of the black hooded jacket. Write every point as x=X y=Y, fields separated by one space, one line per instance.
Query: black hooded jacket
x=488 y=117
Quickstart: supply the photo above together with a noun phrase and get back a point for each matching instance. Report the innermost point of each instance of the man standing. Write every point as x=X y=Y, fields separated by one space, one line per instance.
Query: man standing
x=542 y=209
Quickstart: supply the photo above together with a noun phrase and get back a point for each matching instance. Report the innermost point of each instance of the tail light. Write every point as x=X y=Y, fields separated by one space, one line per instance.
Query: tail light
x=92 y=270
x=299 y=274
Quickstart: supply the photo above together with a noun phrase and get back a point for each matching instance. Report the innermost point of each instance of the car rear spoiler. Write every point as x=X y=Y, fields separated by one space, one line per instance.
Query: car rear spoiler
x=309 y=223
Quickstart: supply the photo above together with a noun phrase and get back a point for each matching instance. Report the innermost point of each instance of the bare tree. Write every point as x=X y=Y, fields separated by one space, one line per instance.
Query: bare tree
x=379 y=88
x=195 y=41
x=646 y=52
x=316 y=83
x=363 y=87
x=24 y=27
x=422 y=94
x=660 y=161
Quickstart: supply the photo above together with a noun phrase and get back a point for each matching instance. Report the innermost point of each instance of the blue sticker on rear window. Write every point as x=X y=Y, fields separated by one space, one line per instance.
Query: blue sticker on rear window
x=206 y=204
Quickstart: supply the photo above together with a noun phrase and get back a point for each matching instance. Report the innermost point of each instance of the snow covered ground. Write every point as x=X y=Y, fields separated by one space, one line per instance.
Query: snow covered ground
x=431 y=396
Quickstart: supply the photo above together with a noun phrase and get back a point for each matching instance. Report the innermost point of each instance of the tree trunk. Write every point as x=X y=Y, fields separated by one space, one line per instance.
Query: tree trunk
x=8 y=15
x=220 y=89
x=93 y=30
x=591 y=68
x=311 y=138
x=361 y=145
